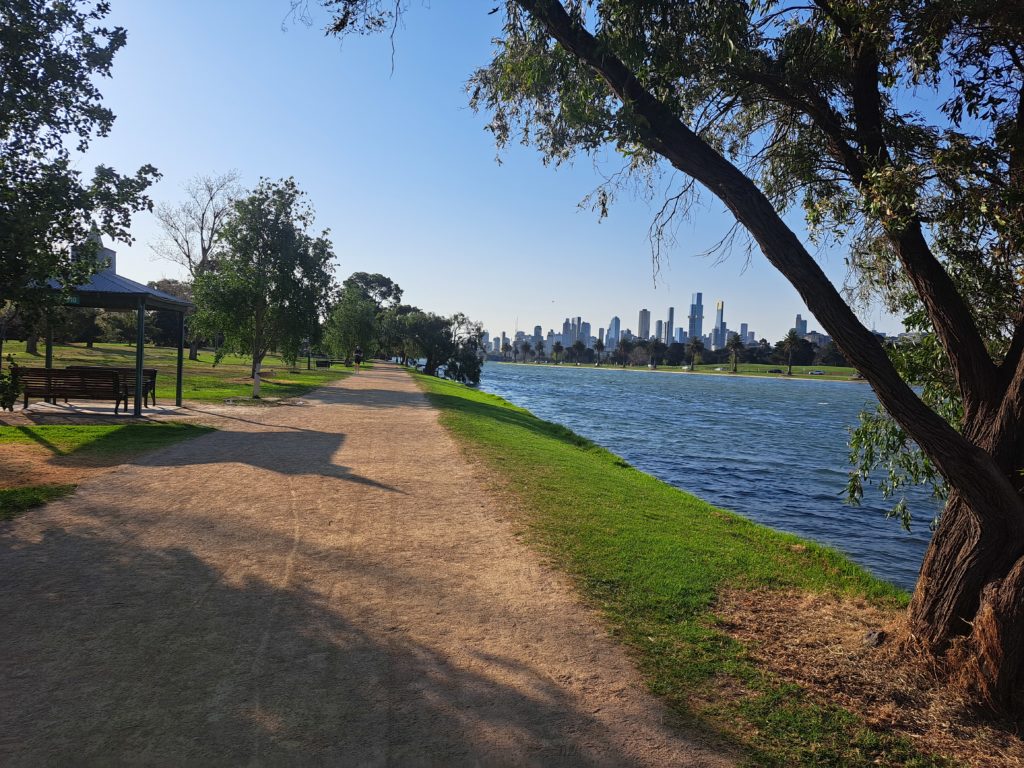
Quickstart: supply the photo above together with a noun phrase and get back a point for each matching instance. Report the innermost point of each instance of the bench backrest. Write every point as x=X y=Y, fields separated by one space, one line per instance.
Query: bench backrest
x=69 y=383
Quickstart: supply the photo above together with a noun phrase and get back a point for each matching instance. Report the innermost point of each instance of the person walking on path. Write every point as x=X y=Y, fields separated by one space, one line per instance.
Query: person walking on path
x=357 y=356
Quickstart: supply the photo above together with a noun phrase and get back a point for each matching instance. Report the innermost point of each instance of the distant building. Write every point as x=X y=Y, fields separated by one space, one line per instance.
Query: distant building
x=743 y=331
x=612 y=337
x=659 y=330
x=669 y=325
x=696 y=317
x=718 y=332
x=644 y=324
x=680 y=336
x=585 y=334
x=800 y=327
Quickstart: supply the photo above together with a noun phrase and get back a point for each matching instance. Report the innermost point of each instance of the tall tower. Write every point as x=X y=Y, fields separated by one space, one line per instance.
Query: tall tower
x=614 y=329
x=696 y=318
x=659 y=330
x=644 y=324
x=669 y=325
x=801 y=326
x=718 y=332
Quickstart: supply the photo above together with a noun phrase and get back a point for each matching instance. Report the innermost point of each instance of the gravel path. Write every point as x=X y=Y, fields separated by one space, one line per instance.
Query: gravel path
x=321 y=584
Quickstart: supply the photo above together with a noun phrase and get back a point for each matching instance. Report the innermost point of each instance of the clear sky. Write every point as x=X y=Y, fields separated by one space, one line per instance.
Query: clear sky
x=403 y=173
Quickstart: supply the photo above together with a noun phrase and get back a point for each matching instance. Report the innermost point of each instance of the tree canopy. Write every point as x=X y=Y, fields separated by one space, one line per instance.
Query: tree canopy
x=52 y=56
x=273 y=281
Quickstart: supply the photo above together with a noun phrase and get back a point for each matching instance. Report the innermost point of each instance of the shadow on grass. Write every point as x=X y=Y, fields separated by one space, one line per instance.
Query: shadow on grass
x=503 y=415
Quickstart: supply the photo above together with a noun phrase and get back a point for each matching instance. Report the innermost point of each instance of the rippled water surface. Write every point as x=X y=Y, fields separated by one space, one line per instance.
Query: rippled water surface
x=771 y=449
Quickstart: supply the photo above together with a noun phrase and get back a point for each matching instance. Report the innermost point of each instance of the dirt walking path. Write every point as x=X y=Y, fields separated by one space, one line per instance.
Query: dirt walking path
x=321 y=584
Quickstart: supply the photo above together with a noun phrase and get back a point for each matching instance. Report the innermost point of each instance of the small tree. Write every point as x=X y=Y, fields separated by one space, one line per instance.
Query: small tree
x=579 y=349
x=556 y=351
x=599 y=348
x=191 y=229
x=696 y=348
x=273 y=281
x=526 y=348
x=352 y=323
x=736 y=347
x=622 y=350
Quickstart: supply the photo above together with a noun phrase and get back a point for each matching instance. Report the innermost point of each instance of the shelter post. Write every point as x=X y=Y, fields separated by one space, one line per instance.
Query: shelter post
x=181 y=357
x=140 y=344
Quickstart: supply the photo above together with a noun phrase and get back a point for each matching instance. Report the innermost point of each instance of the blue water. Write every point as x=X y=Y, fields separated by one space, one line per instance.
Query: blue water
x=774 y=450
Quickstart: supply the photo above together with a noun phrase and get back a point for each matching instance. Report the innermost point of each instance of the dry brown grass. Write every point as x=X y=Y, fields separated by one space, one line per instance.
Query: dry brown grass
x=818 y=642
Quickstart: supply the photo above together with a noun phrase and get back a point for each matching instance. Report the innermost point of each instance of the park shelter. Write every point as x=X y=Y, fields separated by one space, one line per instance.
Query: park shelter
x=109 y=290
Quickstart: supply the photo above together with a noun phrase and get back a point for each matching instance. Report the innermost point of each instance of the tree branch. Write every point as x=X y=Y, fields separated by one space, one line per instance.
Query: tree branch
x=957 y=459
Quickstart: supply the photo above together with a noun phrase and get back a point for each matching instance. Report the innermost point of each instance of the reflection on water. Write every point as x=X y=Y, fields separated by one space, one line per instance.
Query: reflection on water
x=771 y=449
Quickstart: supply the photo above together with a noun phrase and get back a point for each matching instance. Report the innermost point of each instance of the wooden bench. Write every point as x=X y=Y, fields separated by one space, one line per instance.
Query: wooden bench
x=126 y=380
x=85 y=384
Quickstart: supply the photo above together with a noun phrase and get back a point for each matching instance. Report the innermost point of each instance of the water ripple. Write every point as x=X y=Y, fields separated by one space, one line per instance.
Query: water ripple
x=774 y=450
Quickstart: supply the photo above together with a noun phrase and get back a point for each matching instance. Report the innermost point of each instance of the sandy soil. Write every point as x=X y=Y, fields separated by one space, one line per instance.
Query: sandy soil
x=321 y=584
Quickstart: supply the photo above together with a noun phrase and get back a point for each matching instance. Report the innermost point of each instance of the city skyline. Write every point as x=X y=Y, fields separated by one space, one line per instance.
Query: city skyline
x=648 y=327
x=431 y=208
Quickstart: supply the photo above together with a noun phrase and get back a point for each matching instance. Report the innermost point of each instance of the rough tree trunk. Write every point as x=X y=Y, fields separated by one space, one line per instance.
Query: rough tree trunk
x=32 y=345
x=968 y=607
x=193 y=349
x=257 y=363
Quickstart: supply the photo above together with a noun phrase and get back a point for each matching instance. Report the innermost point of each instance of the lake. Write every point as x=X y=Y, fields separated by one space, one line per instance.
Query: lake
x=774 y=450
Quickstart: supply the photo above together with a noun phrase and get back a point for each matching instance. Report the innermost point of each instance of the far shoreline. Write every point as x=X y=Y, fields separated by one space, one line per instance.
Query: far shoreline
x=730 y=374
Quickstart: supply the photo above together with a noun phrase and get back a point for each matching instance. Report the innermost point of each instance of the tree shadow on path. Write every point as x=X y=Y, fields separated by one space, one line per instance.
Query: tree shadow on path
x=117 y=653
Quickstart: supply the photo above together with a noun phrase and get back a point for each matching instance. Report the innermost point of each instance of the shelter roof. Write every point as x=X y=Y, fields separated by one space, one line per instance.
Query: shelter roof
x=108 y=290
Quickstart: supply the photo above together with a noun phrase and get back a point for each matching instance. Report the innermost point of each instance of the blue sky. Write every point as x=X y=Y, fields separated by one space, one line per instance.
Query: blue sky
x=402 y=172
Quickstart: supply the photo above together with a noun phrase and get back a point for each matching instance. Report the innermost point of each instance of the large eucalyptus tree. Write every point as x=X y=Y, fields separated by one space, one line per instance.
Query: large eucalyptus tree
x=898 y=124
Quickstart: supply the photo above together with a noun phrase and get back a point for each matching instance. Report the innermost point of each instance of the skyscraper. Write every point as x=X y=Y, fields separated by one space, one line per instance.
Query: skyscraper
x=801 y=326
x=585 y=333
x=718 y=332
x=614 y=329
x=659 y=330
x=696 y=318
x=669 y=324
x=644 y=324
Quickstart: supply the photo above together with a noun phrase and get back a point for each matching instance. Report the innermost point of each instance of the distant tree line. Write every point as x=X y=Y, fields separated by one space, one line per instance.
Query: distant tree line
x=789 y=351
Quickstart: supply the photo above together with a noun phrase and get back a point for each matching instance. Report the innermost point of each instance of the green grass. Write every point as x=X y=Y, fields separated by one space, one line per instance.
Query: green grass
x=14 y=501
x=109 y=441
x=92 y=443
x=652 y=559
x=202 y=380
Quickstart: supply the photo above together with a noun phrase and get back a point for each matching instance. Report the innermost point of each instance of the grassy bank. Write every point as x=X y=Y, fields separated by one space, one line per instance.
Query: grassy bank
x=202 y=379
x=75 y=449
x=653 y=559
